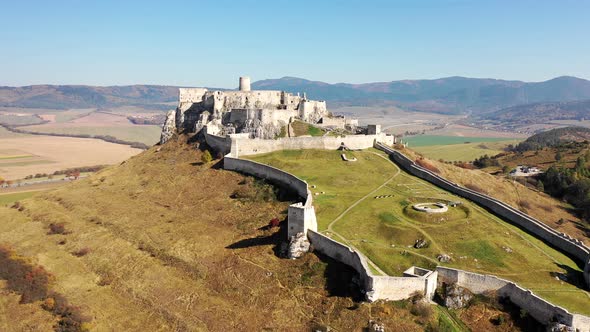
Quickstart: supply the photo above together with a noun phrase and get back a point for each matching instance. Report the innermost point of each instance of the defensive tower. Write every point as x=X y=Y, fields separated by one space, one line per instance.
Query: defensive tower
x=244 y=83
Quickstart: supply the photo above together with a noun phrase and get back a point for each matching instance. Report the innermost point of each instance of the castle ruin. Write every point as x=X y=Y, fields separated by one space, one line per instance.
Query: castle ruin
x=260 y=113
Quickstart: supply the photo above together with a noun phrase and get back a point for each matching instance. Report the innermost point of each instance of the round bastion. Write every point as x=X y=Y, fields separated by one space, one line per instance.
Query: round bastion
x=431 y=207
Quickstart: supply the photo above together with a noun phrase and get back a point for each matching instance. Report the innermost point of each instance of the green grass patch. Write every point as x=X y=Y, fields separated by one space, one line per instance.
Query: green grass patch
x=388 y=217
x=476 y=240
x=7 y=199
x=483 y=251
x=301 y=129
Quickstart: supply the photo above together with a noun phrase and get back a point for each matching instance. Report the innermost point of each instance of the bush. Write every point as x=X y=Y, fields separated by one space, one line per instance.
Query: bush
x=30 y=281
x=206 y=157
x=421 y=309
x=474 y=187
x=71 y=318
x=59 y=228
x=425 y=164
x=81 y=252
x=524 y=204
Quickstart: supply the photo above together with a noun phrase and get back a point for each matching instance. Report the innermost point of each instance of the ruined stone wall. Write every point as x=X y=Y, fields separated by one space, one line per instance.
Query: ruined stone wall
x=541 y=310
x=248 y=99
x=191 y=95
x=533 y=226
x=312 y=110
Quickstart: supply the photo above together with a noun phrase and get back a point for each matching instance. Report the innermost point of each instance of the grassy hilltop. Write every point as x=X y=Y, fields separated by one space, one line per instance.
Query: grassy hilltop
x=164 y=243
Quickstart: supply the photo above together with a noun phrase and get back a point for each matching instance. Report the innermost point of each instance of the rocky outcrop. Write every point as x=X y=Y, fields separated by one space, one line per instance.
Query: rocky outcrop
x=169 y=127
x=420 y=243
x=557 y=327
x=443 y=258
x=456 y=296
x=298 y=246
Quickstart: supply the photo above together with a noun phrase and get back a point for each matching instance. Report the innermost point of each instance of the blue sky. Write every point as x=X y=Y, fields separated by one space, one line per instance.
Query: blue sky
x=211 y=43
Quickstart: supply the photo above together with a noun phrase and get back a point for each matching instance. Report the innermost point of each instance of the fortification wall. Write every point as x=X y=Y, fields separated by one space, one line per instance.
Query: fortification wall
x=563 y=242
x=396 y=288
x=269 y=173
x=218 y=143
x=301 y=216
x=343 y=254
x=354 y=142
x=541 y=310
x=377 y=287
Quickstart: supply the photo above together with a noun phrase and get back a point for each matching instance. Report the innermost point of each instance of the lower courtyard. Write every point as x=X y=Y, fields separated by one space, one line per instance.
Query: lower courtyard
x=369 y=204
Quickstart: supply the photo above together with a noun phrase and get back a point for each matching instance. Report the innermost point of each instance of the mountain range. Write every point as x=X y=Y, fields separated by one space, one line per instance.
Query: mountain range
x=444 y=95
x=542 y=112
x=451 y=95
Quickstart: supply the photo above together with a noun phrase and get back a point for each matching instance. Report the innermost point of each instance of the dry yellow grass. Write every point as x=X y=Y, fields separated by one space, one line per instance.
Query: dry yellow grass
x=170 y=250
x=539 y=205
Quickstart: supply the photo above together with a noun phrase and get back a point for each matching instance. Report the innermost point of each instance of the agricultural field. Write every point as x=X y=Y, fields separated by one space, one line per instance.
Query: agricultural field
x=457 y=148
x=368 y=205
x=98 y=123
x=22 y=155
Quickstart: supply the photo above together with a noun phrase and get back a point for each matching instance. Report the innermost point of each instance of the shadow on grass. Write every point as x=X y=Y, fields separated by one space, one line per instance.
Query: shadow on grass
x=570 y=276
x=341 y=280
x=277 y=239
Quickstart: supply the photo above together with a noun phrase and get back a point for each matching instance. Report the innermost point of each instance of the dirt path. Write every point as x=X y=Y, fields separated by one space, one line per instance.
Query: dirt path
x=357 y=202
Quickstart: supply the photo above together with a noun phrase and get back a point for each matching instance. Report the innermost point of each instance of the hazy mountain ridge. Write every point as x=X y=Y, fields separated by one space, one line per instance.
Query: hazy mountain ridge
x=83 y=96
x=444 y=95
x=543 y=112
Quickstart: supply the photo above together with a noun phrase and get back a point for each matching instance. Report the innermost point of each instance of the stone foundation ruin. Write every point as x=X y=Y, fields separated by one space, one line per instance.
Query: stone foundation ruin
x=428 y=207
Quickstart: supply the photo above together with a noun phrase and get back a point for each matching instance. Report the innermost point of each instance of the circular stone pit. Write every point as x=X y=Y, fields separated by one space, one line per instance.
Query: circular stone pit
x=431 y=207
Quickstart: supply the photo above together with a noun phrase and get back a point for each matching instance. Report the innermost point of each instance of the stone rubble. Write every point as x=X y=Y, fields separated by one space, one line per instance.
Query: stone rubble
x=298 y=246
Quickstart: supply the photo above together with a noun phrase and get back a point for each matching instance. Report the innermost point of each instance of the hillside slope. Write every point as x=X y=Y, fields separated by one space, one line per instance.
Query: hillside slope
x=543 y=112
x=554 y=138
x=164 y=243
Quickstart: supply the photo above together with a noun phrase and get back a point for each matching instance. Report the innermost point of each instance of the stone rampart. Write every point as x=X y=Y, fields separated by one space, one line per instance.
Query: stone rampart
x=533 y=226
x=543 y=311
x=301 y=216
x=247 y=146
x=218 y=143
x=376 y=287
x=343 y=254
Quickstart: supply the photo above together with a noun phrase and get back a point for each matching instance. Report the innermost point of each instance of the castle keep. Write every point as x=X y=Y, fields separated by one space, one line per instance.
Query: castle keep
x=261 y=114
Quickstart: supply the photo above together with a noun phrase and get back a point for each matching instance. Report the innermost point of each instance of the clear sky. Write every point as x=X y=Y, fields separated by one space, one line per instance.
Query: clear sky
x=211 y=43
